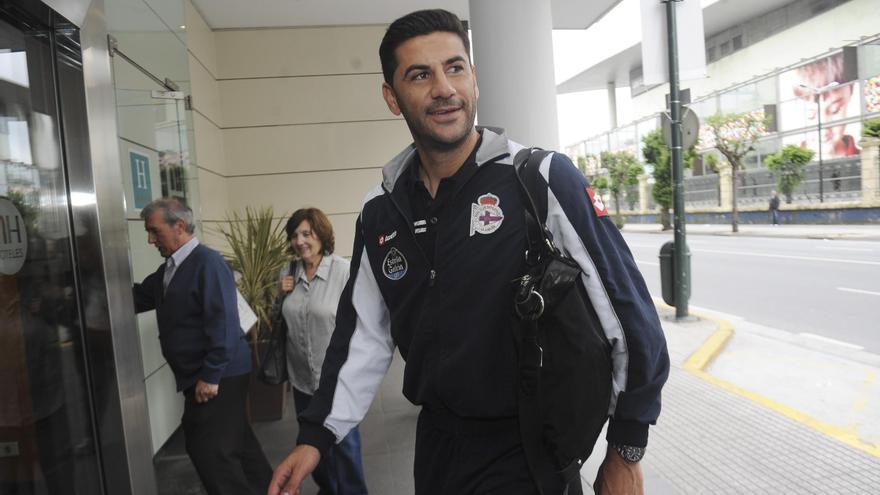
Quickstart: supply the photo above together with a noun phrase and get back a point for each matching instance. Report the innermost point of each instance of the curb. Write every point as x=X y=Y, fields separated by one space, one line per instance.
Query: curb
x=767 y=235
x=697 y=362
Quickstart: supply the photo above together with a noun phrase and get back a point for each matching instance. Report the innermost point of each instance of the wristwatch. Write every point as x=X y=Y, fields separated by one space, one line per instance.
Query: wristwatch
x=628 y=453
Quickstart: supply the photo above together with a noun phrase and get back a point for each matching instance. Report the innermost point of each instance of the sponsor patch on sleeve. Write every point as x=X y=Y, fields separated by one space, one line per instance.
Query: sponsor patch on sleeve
x=598 y=204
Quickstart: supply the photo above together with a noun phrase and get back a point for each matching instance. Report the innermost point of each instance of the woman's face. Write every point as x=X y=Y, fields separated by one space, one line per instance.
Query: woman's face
x=305 y=242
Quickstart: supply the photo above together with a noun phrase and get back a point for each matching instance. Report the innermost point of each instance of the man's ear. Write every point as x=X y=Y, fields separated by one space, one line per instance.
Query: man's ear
x=390 y=98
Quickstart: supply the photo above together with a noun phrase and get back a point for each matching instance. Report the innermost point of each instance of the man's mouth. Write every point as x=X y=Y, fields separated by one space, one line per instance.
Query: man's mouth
x=444 y=110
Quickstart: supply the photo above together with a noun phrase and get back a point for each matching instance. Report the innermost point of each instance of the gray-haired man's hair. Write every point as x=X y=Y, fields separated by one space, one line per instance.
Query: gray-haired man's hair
x=172 y=210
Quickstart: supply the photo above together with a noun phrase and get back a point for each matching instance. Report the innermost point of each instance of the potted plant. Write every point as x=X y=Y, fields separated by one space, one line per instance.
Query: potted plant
x=257 y=252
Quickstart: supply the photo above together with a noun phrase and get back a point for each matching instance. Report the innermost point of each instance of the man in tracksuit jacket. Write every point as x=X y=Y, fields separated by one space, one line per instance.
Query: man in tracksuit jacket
x=437 y=246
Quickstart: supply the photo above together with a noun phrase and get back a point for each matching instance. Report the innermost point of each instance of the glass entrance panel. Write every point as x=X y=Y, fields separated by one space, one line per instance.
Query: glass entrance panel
x=155 y=161
x=152 y=135
x=47 y=440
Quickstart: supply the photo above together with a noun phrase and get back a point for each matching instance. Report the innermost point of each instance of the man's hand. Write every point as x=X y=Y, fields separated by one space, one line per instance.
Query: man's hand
x=616 y=477
x=206 y=391
x=290 y=474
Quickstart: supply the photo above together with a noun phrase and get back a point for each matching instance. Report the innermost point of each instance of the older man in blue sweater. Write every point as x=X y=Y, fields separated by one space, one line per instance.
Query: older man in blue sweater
x=194 y=296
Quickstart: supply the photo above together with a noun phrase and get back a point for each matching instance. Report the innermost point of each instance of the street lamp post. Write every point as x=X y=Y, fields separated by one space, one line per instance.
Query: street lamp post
x=817 y=95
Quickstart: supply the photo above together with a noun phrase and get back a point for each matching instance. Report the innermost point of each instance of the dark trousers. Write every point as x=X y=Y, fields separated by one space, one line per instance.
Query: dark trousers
x=470 y=456
x=340 y=471
x=221 y=444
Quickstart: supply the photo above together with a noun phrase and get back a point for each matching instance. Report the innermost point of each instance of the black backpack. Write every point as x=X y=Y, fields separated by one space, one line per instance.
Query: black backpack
x=564 y=357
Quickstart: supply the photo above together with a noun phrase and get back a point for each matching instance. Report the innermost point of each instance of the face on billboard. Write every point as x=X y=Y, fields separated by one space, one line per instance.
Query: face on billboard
x=798 y=108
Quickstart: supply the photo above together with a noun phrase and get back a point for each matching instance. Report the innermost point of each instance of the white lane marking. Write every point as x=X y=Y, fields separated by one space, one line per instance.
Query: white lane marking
x=867 y=250
x=647 y=262
x=859 y=291
x=805 y=258
x=832 y=341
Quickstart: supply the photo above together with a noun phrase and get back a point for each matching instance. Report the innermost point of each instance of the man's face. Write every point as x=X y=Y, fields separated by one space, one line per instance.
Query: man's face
x=166 y=238
x=435 y=88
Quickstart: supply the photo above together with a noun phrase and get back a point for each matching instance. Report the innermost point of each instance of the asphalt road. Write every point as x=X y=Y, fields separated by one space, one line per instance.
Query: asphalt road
x=828 y=289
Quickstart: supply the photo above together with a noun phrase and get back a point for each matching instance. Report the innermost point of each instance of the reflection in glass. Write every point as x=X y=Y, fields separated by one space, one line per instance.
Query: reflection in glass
x=46 y=438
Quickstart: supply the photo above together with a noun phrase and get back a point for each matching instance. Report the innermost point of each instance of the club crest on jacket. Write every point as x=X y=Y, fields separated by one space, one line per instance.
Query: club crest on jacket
x=486 y=216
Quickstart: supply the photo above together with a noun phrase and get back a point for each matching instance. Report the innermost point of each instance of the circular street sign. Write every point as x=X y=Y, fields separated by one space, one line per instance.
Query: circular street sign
x=690 y=128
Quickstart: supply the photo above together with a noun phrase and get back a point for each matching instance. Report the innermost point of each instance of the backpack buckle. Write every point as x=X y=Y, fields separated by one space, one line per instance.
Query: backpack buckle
x=528 y=303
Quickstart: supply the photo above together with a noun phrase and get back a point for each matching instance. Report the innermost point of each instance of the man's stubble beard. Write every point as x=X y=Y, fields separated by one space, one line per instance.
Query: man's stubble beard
x=425 y=138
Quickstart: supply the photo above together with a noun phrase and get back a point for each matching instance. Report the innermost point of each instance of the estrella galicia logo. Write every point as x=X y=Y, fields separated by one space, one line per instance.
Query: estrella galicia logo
x=394 y=265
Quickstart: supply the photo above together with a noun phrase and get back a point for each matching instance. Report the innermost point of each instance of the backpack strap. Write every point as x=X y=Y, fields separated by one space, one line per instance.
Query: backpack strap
x=527 y=164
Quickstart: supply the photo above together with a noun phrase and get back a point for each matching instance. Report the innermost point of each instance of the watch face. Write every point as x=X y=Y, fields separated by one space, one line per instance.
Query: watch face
x=630 y=454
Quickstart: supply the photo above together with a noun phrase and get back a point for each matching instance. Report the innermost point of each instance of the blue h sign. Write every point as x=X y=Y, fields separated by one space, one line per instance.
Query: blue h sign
x=140 y=178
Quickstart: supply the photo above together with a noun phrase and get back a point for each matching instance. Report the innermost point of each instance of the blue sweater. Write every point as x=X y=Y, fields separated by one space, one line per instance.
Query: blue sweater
x=199 y=330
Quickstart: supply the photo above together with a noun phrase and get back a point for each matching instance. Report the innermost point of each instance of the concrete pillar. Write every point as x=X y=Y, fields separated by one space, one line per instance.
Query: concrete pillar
x=513 y=54
x=870 y=171
x=643 y=194
x=612 y=105
x=724 y=174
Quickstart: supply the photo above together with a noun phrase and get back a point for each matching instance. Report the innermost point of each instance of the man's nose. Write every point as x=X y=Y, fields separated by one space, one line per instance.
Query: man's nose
x=442 y=88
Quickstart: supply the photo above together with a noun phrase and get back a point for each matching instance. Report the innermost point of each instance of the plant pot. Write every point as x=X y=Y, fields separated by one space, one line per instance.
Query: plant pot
x=266 y=402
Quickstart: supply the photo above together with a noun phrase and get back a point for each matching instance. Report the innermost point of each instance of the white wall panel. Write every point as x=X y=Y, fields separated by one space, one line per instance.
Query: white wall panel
x=332 y=192
x=209 y=145
x=165 y=405
x=213 y=196
x=205 y=92
x=259 y=150
x=302 y=100
x=200 y=38
x=299 y=51
x=343 y=228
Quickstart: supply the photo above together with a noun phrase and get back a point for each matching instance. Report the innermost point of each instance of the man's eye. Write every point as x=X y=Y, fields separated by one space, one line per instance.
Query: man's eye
x=420 y=76
x=456 y=68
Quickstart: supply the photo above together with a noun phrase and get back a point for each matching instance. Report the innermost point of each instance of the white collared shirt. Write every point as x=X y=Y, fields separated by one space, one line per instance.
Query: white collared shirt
x=310 y=314
x=177 y=258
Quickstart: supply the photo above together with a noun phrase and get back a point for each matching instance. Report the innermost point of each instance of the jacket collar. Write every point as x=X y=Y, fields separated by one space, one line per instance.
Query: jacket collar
x=493 y=147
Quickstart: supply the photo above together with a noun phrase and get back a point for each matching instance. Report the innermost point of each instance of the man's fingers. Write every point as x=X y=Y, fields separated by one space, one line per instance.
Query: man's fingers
x=282 y=481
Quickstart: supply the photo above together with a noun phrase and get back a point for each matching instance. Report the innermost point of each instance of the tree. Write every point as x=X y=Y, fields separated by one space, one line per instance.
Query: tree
x=623 y=171
x=735 y=135
x=582 y=164
x=600 y=184
x=789 y=163
x=655 y=152
x=871 y=128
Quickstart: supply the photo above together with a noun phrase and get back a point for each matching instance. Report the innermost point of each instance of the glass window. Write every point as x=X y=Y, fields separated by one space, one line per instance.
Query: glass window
x=737 y=42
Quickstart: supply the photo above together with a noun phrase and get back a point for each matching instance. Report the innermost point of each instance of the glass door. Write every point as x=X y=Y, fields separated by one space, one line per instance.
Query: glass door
x=47 y=428
x=152 y=133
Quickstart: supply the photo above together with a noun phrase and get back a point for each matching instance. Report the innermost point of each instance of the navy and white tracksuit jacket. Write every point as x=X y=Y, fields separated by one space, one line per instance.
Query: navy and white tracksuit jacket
x=452 y=316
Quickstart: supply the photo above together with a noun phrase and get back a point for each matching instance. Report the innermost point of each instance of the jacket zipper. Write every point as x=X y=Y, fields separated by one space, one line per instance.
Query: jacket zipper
x=432 y=274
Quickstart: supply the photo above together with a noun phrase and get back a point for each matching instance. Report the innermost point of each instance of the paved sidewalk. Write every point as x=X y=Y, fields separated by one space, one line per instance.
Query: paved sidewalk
x=712 y=437
x=851 y=232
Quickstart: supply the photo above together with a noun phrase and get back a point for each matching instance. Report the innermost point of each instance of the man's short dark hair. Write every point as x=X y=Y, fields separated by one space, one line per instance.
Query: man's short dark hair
x=418 y=23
